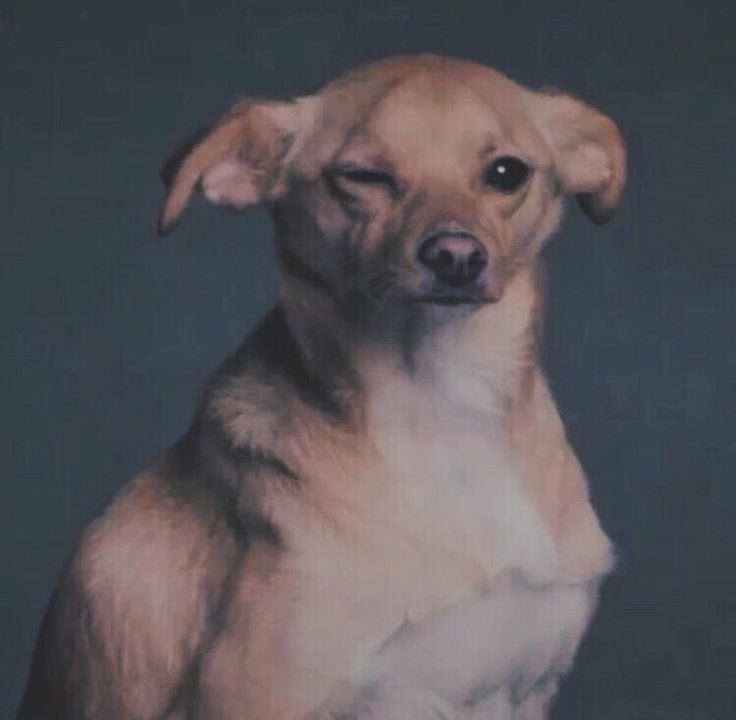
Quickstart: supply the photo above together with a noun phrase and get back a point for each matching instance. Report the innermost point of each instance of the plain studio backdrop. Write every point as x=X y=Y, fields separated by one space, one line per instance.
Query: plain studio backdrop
x=108 y=333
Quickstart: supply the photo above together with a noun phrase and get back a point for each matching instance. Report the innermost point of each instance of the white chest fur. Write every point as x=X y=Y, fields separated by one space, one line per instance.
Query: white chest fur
x=459 y=556
x=451 y=481
x=444 y=575
x=449 y=580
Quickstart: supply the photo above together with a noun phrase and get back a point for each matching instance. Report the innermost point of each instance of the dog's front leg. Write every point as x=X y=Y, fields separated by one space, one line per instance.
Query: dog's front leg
x=536 y=705
x=500 y=706
x=389 y=703
x=417 y=674
x=437 y=667
x=398 y=703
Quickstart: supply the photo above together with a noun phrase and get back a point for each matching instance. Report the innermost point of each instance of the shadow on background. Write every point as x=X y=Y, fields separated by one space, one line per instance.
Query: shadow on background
x=109 y=333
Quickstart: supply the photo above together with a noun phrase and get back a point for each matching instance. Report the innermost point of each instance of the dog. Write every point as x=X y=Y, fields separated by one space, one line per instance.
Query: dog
x=375 y=512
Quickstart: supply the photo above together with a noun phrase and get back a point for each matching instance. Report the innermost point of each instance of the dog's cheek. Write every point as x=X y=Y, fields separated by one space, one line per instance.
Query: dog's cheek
x=547 y=219
x=534 y=222
x=310 y=234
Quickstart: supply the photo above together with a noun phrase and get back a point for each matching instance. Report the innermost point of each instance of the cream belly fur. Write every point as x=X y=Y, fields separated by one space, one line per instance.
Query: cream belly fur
x=375 y=513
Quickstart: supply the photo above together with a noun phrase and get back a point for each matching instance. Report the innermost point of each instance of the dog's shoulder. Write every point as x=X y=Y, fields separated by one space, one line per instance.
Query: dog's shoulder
x=148 y=582
x=161 y=519
x=136 y=600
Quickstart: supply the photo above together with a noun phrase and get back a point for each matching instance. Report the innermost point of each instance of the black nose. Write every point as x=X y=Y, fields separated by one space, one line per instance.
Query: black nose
x=456 y=259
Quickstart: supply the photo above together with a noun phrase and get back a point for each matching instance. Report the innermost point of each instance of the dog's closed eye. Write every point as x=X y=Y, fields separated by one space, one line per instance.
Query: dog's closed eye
x=368 y=176
x=348 y=179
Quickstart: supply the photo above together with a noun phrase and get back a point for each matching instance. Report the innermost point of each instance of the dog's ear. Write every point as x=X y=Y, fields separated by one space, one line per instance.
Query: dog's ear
x=241 y=160
x=588 y=149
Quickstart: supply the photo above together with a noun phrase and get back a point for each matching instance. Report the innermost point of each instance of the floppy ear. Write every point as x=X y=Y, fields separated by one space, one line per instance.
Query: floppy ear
x=241 y=160
x=588 y=149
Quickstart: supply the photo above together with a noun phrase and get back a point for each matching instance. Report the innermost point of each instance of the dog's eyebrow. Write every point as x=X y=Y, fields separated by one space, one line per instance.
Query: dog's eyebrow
x=488 y=149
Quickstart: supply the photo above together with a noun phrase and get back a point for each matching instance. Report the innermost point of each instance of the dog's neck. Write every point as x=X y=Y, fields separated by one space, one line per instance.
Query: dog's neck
x=475 y=362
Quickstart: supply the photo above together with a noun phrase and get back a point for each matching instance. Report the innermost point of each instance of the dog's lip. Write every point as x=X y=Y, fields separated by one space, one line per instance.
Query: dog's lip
x=439 y=299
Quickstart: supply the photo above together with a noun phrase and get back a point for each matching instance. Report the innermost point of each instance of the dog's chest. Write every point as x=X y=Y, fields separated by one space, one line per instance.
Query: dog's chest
x=435 y=522
x=439 y=522
x=450 y=491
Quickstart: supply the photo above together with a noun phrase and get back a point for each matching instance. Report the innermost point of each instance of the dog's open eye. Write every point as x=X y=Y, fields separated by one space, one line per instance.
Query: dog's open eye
x=507 y=174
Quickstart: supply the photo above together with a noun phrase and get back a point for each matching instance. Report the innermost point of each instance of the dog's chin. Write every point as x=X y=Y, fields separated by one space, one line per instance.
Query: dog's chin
x=426 y=305
x=441 y=308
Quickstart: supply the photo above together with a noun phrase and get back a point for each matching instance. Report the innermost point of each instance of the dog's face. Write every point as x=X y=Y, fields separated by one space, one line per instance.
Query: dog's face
x=414 y=183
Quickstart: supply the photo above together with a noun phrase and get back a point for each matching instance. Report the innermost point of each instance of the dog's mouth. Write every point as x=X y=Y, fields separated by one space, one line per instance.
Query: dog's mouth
x=486 y=290
x=449 y=301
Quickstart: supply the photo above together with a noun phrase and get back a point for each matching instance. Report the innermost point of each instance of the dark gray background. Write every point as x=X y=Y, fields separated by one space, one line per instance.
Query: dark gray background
x=108 y=333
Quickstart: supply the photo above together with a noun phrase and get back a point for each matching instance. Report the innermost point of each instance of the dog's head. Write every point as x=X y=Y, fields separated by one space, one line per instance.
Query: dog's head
x=413 y=182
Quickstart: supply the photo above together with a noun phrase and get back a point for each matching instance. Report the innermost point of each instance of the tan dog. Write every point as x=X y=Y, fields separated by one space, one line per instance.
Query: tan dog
x=375 y=513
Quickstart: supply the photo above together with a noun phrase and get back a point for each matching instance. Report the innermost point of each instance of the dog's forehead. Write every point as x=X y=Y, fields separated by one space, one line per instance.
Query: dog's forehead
x=433 y=109
x=409 y=102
